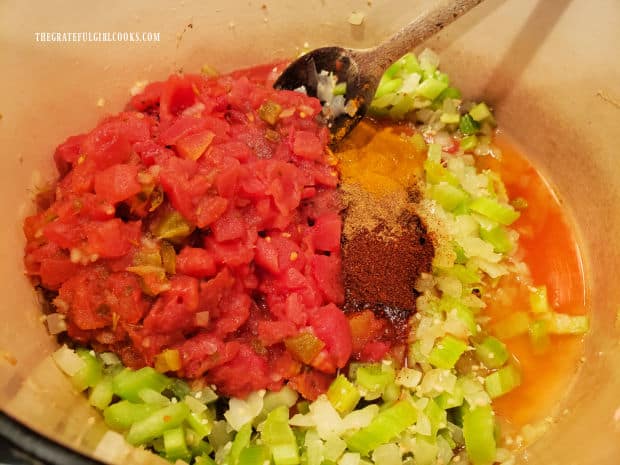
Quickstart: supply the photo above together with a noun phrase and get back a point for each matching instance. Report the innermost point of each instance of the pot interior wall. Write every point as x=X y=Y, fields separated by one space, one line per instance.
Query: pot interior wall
x=548 y=68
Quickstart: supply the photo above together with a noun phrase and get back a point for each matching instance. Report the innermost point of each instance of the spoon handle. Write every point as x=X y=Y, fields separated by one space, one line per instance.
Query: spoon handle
x=424 y=26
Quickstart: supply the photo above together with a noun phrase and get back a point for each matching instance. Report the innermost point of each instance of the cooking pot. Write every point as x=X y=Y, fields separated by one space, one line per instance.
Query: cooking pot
x=550 y=69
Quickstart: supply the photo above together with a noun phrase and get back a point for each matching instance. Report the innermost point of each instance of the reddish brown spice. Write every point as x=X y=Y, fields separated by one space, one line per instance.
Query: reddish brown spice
x=380 y=270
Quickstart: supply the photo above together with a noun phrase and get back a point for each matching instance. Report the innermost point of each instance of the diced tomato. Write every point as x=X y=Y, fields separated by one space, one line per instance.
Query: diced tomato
x=327 y=272
x=112 y=238
x=311 y=384
x=205 y=351
x=197 y=262
x=68 y=153
x=332 y=327
x=117 y=183
x=272 y=332
x=210 y=209
x=55 y=271
x=228 y=227
x=107 y=146
x=326 y=232
x=177 y=95
x=307 y=145
x=149 y=97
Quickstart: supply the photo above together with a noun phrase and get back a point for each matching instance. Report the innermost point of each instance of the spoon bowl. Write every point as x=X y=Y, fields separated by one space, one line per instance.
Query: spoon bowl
x=361 y=70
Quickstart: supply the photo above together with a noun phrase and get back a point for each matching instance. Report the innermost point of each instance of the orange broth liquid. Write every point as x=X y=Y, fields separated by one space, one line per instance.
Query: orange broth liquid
x=548 y=246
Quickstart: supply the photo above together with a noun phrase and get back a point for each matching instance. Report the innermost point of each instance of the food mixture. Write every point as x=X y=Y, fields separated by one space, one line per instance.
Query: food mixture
x=230 y=290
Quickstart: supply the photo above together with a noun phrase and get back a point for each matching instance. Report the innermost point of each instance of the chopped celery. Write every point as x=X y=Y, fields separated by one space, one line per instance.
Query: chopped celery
x=468 y=125
x=418 y=142
x=431 y=88
x=502 y=381
x=436 y=173
x=447 y=352
x=492 y=352
x=425 y=450
x=128 y=383
x=450 y=92
x=436 y=415
x=343 y=395
x=388 y=87
x=121 y=415
x=539 y=302
x=450 y=118
x=515 y=324
x=448 y=196
x=200 y=424
x=434 y=152
x=561 y=323
x=151 y=396
x=101 y=394
x=156 y=423
x=468 y=143
x=491 y=208
x=254 y=455
x=277 y=434
x=462 y=273
x=498 y=238
x=340 y=88
x=388 y=424
x=448 y=400
x=241 y=441
x=90 y=374
x=480 y=112
x=175 y=446
x=374 y=378
x=204 y=460
x=410 y=64
x=539 y=335
x=479 y=432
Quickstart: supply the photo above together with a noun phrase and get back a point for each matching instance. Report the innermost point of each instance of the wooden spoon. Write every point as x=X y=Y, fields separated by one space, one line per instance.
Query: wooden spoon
x=362 y=69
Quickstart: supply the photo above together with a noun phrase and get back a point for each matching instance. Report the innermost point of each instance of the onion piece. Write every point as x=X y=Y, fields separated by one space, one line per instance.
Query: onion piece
x=68 y=361
x=55 y=323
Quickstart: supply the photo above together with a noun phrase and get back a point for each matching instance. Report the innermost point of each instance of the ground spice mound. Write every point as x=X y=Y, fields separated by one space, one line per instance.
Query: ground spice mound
x=385 y=243
x=380 y=270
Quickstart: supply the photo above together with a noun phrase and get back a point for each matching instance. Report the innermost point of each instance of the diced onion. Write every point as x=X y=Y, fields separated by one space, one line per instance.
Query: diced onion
x=56 y=323
x=68 y=361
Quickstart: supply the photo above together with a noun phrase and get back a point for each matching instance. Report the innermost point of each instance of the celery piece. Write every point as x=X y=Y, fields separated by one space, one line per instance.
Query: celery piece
x=434 y=152
x=479 y=432
x=197 y=447
x=101 y=394
x=121 y=415
x=498 y=238
x=447 y=352
x=175 y=446
x=340 y=88
x=502 y=381
x=491 y=208
x=278 y=435
x=394 y=69
x=539 y=335
x=492 y=352
x=468 y=125
x=128 y=383
x=449 y=304
x=450 y=118
x=388 y=424
x=561 y=323
x=418 y=143
x=448 y=400
x=90 y=374
x=539 y=303
x=156 y=423
x=254 y=455
x=436 y=173
x=431 y=88
x=388 y=87
x=462 y=273
x=468 y=143
x=374 y=379
x=480 y=112
x=425 y=450
x=450 y=92
x=410 y=64
x=448 y=196
x=200 y=424
x=401 y=107
x=241 y=441
x=151 y=396
x=343 y=395
x=436 y=415
x=515 y=324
